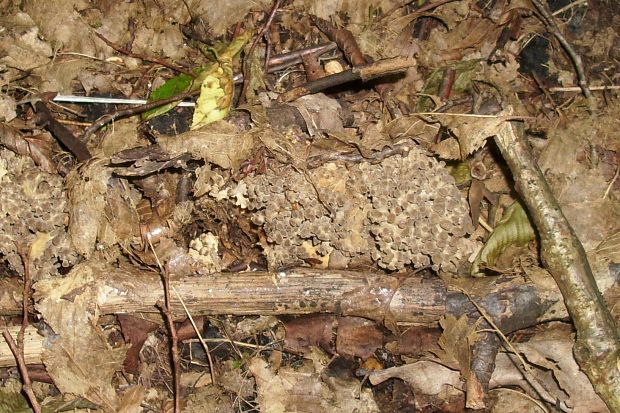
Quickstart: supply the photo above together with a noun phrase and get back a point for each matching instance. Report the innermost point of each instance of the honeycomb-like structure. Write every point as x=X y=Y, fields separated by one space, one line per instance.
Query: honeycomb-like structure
x=204 y=249
x=405 y=210
x=33 y=209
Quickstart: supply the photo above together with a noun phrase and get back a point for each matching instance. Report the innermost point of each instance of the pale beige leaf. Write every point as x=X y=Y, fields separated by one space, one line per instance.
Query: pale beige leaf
x=87 y=187
x=472 y=133
x=221 y=143
x=78 y=356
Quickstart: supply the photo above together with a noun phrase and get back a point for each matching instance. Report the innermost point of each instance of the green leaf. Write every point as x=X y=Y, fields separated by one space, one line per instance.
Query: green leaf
x=172 y=87
x=13 y=402
x=214 y=80
x=514 y=228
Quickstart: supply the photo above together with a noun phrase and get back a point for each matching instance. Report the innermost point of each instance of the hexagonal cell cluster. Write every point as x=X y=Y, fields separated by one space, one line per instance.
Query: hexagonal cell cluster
x=33 y=210
x=204 y=249
x=403 y=211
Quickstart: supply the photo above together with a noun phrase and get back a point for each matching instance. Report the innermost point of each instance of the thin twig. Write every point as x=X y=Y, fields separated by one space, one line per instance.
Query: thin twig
x=484 y=224
x=166 y=310
x=527 y=372
x=474 y=115
x=570 y=6
x=23 y=370
x=611 y=184
x=553 y=27
x=424 y=8
x=18 y=350
x=205 y=346
x=231 y=342
x=248 y=59
x=60 y=132
x=578 y=89
x=151 y=59
x=527 y=396
x=364 y=73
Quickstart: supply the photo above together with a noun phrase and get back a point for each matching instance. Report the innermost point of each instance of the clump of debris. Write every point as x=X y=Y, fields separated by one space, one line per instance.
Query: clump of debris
x=34 y=211
x=403 y=211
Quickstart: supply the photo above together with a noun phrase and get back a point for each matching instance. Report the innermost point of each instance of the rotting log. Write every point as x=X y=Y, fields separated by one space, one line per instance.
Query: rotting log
x=511 y=301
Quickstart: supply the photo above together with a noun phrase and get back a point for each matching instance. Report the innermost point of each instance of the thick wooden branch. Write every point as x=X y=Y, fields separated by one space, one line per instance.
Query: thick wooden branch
x=597 y=347
x=512 y=302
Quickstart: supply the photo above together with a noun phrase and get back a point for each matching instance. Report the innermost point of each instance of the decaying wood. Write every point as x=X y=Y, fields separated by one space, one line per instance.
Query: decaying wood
x=597 y=346
x=33 y=347
x=512 y=302
x=364 y=73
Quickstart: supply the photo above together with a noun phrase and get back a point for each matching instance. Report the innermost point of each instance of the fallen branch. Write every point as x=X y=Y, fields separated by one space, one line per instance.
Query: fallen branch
x=597 y=346
x=513 y=303
x=365 y=73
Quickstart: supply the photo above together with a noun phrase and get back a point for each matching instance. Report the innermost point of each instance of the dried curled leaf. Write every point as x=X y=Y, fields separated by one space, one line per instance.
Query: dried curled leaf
x=87 y=188
x=455 y=343
x=472 y=133
x=78 y=356
x=221 y=143
x=214 y=80
x=37 y=147
x=215 y=97
x=514 y=228
x=217 y=86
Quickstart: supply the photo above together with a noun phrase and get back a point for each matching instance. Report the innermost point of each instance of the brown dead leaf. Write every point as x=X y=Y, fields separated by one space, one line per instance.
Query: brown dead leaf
x=610 y=247
x=415 y=341
x=8 y=108
x=78 y=357
x=358 y=337
x=305 y=332
x=235 y=380
x=21 y=46
x=511 y=401
x=471 y=38
x=221 y=143
x=456 y=341
x=477 y=192
x=414 y=127
x=135 y=331
x=426 y=377
x=122 y=222
x=447 y=149
x=552 y=350
x=374 y=138
x=320 y=113
x=249 y=327
x=38 y=147
x=224 y=13
x=303 y=389
x=208 y=399
x=87 y=187
x=131 y=400
x=472 y=133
